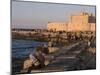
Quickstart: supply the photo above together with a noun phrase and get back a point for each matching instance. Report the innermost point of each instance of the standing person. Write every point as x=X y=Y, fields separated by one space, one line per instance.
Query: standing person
x=45 y=49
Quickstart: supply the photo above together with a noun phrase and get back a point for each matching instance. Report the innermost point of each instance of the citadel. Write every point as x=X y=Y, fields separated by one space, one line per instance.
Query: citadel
x=81 y=22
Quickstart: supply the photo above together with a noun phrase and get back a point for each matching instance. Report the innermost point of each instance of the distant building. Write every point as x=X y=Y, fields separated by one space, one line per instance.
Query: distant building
x=57 y=26
x=81 y=22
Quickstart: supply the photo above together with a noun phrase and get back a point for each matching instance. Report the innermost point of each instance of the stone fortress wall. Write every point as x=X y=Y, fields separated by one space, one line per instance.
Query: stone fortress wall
x=57 y=26
x=81 y=22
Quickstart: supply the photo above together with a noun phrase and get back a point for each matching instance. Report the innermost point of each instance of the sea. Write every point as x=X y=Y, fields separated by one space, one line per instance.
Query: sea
x=21 y=50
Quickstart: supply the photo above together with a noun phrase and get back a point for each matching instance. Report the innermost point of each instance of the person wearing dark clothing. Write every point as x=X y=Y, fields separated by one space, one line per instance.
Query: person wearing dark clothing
x=45 y=49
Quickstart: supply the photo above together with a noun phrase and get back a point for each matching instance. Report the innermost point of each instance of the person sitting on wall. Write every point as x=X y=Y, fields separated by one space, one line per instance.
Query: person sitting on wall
x=38 y=59
x=39 y=55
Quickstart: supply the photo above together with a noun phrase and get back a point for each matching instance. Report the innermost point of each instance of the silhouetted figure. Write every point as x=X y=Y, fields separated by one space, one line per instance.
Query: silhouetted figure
x=45 y=49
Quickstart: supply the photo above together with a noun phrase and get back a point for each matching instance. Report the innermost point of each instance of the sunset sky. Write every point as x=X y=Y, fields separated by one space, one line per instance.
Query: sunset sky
x=36 y=15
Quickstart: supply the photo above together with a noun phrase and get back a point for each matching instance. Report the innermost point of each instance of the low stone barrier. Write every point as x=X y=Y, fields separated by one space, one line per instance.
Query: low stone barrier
x=52 y=49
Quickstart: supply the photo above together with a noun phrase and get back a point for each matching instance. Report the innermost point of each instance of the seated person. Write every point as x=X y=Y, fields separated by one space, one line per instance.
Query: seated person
x=38 y=57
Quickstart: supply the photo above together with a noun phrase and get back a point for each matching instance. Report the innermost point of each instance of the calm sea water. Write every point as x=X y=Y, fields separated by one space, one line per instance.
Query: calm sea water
x=22 y=48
